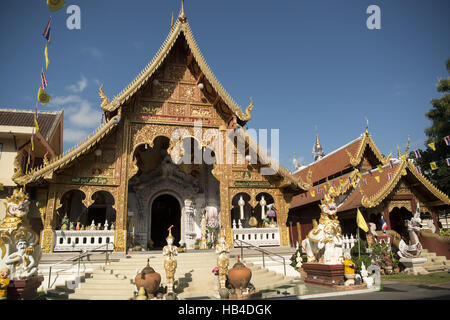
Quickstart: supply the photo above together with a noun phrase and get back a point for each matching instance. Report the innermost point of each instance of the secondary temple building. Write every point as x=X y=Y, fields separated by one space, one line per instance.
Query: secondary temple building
x=380 y=187
x=123 y=175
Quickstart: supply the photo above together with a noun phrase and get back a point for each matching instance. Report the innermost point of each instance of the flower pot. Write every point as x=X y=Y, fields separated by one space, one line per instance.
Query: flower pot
x=149 y=279
x=239 y=276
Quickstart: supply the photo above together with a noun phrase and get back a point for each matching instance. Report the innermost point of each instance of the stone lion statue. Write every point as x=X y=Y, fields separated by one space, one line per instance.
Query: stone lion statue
x=324 y=242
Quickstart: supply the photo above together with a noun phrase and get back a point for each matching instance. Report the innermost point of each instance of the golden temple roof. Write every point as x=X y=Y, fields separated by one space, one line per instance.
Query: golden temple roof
x=181 y=27
x=63 y=160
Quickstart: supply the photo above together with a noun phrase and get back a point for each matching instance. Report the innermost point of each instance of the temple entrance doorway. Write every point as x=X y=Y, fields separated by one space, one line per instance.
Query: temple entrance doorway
x=165 y=211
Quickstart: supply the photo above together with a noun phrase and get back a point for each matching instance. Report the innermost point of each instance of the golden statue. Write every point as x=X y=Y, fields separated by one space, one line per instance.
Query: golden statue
x=4 y=283
x=170 y=263
x=222 y=260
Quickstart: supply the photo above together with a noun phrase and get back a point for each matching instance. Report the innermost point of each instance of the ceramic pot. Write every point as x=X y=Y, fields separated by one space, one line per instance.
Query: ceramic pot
x=239 y=276
x=149 y=279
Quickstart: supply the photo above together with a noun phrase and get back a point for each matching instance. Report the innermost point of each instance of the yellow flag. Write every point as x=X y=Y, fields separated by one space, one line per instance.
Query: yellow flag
x=46 y=57
x=432 y=146
x=377 y=178
x=55 y=5
x=361 y=222
x=433 y=165
x=43 y=97
x=341 y=182
x=313 y=193
x=359 y=175
x=380 y=169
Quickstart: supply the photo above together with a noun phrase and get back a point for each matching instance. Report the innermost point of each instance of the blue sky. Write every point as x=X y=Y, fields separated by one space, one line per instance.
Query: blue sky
x=304 y=63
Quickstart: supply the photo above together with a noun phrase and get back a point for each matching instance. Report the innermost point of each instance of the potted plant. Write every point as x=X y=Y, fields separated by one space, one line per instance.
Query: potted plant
x=197 y=243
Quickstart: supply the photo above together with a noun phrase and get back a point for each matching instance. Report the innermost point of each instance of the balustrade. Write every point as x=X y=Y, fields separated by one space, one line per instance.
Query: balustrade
x=74 y=240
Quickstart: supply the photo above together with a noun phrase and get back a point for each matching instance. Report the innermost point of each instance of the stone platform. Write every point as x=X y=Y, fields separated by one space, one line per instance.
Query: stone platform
x=323 y=274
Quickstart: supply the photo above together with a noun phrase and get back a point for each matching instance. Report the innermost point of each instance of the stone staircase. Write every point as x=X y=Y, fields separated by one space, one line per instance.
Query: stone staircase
x=66 y=276
x=435 y=263
x=193 y=277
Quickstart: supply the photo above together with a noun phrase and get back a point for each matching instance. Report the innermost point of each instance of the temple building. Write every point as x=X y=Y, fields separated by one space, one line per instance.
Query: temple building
x=18 y=138
x=123 y=181
x=380 y=187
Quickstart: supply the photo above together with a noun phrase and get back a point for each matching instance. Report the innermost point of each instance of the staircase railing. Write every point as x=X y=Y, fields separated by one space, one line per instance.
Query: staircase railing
x=79 y=257
x=263 y=252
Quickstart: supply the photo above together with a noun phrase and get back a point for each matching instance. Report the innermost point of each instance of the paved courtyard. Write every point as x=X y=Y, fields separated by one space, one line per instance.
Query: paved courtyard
x=402 y=291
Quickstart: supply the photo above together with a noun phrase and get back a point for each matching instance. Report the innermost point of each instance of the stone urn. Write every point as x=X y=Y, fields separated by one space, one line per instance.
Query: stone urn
x=149 y=279
x=239 y=276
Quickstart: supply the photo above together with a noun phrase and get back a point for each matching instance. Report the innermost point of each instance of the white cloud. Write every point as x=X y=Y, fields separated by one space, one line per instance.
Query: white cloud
x=79 y=86
x=93 y=52
x=78 y=110
x=74 y=135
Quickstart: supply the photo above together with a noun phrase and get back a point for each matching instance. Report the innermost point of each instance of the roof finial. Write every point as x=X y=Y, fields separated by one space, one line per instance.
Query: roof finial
x=182 y=16
x=367 y=126
x=317 y=150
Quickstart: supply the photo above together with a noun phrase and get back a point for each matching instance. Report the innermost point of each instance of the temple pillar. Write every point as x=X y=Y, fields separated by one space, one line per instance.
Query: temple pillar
x=120 y=235
x=48 y=234
x=285 y=201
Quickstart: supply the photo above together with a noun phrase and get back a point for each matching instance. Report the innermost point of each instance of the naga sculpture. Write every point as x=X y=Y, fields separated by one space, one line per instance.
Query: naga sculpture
x=324 y=242
x=414 y=248
x=20 y=251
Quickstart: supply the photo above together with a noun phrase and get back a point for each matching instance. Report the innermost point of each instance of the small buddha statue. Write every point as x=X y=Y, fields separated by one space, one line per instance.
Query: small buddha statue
x=170 y=263
x=65 y=223
x=4 y=283
x=72 y=227
x=349 y=269
x=92 y=226
x=222 y=250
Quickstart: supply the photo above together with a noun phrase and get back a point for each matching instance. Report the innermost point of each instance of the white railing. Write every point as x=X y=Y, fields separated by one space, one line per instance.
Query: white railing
x=258 y=237
x=72 y=240
x=348 y=242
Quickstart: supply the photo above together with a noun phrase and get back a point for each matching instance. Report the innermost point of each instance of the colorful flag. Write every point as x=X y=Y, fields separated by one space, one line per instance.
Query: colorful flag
x=448 y=162
x=43 y=97
x=312 y=192
x=349 y=180
x=360 y=221
x=380 y=168
x=46 y=33
x=44 y=82
x=370 y=172
x=377 y=178
x=390 y=176
x=383 y=224
x=365 y=181
x=36 y=117
x=55 y=5
x=46 y=57
x=417 y=153
x=359 y=175
x=341 y=182
x=32 y=140
x=418 y=170
x=432 y=146
x=391 y=164
x=433 y=165
x=447 y=140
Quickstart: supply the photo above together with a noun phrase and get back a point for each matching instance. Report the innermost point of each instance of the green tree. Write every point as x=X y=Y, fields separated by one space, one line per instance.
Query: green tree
x=440 y=128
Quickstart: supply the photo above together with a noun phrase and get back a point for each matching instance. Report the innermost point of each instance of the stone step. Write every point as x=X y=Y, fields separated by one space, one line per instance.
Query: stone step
x=100 y=296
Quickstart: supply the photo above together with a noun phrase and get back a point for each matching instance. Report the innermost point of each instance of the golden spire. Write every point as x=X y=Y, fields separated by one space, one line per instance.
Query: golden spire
x=182 y=16
x=367 y=126
x=317 y=150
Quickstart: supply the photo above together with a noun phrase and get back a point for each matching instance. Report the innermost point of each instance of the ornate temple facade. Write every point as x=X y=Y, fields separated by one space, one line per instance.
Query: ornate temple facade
x=380 y=186
x=123 y=174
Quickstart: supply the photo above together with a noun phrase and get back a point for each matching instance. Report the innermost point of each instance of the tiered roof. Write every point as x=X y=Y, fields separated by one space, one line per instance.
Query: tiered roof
x=181 y=28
